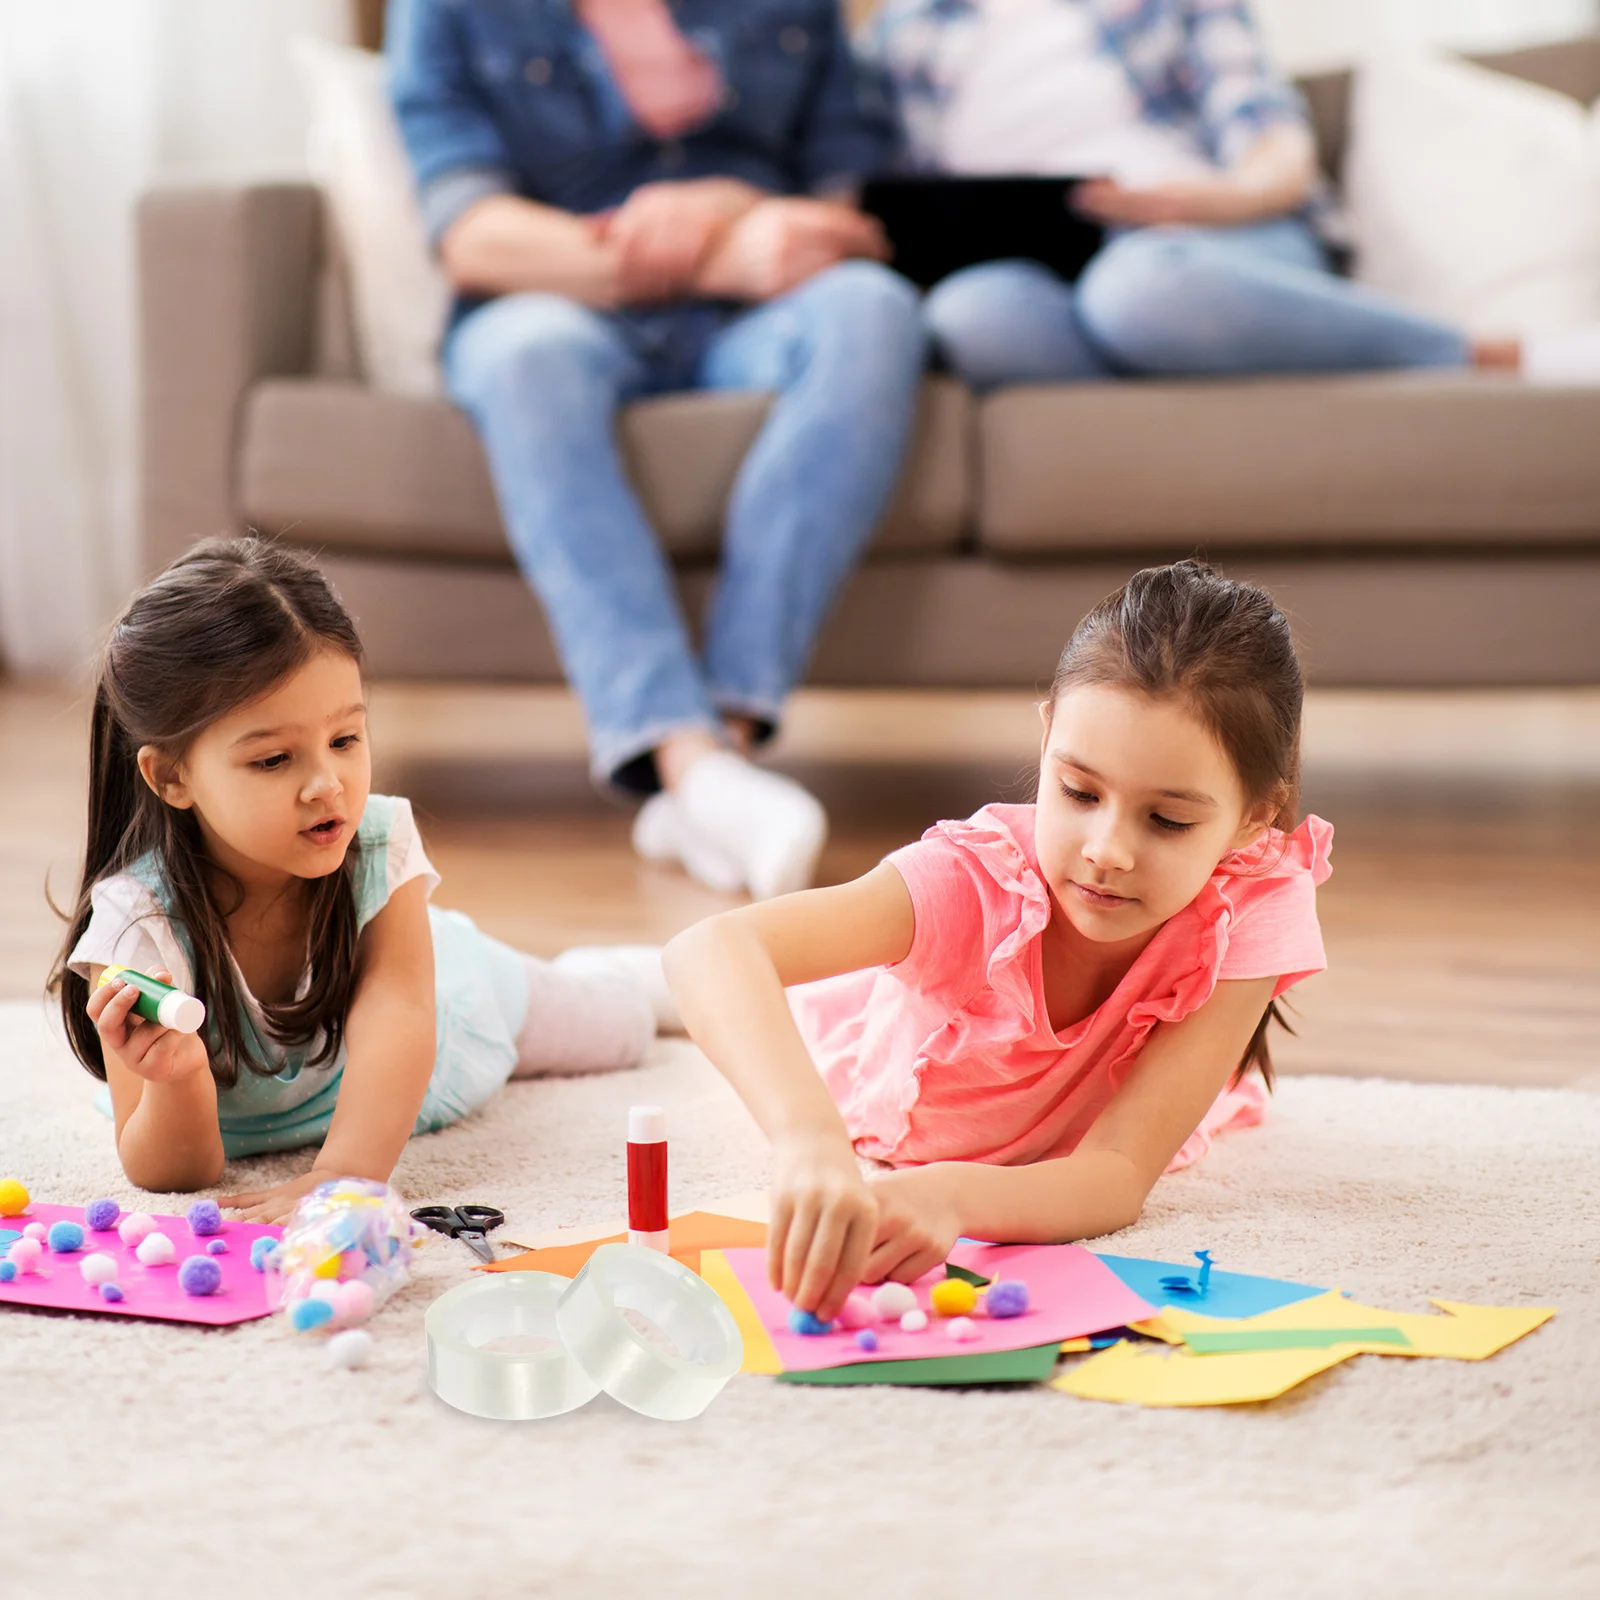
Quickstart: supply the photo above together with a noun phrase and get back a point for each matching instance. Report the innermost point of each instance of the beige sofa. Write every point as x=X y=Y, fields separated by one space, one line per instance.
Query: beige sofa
x=1421 y=529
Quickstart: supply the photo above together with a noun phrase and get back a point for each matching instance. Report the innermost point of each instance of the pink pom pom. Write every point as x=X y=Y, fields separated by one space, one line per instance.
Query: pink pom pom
x=35 y=1231
x=25 y=1253
x=135 y=1229
x=857 y=1312
x=354 y=1301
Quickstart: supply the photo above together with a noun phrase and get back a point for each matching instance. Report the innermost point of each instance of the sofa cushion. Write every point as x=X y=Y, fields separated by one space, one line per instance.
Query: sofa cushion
x=341 y=466
x=1379 y=461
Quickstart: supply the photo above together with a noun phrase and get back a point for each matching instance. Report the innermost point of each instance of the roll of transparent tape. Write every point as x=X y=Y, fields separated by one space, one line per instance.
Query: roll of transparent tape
x=650 y=1332
x=494 y=1349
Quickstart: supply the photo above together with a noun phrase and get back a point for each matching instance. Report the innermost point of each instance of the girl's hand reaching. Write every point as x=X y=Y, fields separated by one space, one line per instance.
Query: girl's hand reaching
x=146 y=1049
x=276 y=1204
x=917 y=1223
x=823 y=1222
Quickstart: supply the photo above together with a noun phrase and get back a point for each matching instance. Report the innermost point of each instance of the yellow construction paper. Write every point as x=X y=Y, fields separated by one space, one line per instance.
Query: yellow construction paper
x=760 y=1354
x=1157 y=1327
x=1465 y=1333
x=1142 y=1375
x=1075 y=1347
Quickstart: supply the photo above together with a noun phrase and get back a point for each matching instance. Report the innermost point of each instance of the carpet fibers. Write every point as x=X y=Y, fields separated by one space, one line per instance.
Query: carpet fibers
x=148 y=1459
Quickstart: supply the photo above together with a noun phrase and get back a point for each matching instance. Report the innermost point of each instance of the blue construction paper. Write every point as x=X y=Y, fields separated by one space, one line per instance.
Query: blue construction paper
x=1229 y=1294
x=7 y=1236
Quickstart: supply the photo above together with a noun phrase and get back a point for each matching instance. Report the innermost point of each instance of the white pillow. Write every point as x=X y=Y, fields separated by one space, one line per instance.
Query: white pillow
x=399 y=296
x=1475 y=196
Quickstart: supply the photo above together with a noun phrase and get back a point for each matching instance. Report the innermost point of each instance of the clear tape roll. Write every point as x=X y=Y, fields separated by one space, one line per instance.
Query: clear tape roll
x=650 y=1332
x=494 y=1349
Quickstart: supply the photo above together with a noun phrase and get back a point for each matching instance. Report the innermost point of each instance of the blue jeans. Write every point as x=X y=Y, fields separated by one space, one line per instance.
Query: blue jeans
x=542 y=377
x=1179 y=302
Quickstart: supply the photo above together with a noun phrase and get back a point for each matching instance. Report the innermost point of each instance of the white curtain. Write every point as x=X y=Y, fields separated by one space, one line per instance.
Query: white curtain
x=1308 y=35
x=99 y=100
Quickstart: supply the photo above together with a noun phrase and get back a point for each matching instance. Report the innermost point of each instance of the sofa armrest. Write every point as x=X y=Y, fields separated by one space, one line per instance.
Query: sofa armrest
x=227 y=295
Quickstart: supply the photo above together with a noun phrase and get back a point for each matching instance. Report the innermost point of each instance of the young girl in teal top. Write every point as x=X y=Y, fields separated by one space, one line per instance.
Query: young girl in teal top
x=235 y=850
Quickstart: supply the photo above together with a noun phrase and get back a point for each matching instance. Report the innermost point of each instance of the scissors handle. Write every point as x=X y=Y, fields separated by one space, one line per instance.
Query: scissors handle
x=480 y=1218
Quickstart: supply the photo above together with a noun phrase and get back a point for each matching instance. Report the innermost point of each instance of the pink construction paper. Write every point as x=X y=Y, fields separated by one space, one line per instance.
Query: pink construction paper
x=1070 y=1293
x=149 y=1291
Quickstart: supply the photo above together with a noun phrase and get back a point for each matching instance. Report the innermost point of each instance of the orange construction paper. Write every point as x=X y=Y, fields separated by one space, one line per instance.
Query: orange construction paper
x=688 y=1235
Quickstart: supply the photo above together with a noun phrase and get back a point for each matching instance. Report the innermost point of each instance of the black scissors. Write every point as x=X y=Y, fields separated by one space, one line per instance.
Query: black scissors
x=469 y=1224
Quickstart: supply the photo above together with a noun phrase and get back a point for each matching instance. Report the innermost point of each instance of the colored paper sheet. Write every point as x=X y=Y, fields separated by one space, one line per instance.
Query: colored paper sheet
x=1464 y=1333
x=759 y=1354
x=1230 y=1339
x=149 y=1291
x=1228 y=1294
x=1146 y=1375
x=1070 y=1293
x=688 y=1235
x=999 y=1366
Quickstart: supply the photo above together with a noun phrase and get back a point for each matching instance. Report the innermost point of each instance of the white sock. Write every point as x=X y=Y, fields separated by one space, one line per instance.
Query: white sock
x=1569 y=357
x=771 y=827
x=582 y=1022
x=659 y=834
x=638 y=965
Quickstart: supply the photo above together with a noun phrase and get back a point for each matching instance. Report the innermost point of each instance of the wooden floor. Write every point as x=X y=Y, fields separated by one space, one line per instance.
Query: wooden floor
x=1462 y=920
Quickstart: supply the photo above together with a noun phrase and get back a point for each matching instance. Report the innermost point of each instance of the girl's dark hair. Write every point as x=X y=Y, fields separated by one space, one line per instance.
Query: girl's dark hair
x=1186 y=633
x=219 y=628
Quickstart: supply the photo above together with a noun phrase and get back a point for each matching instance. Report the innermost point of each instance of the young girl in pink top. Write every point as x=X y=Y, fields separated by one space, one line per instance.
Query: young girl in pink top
x=1026 y=1018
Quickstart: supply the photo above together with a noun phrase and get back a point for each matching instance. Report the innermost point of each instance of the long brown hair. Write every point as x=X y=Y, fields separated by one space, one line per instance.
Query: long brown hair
x=1185 y=632
x=220 y=627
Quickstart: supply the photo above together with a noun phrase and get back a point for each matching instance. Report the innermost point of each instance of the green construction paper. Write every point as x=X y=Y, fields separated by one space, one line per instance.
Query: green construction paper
x=991 y=1366
x=1210 y=1344
x=966 y=1275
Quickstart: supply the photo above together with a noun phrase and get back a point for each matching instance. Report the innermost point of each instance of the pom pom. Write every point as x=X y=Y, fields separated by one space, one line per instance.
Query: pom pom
x=866 y=1339
x=807 y=1323
x=110 y=1293
x=101 y=1215
x=98 y=1268
x=857 y=1312
x=328 y=1267
x=199 y=1275
x=1007 y=1299
x=14 y=1198
x=34 y=1230
x=961 y=1329
x=350 y=1349
x=953 y=1297
x=156 y=1250
x=65 y=1237
x=354 y=1302
x=914 y=1321
x=892 y=1300
x=217 y=1247
x=204 y=1218
x=135 y=1229
x=324 y=1289
x=310 y=1314
x=25 y=1254
x=260 y=1249
x=8 y=1271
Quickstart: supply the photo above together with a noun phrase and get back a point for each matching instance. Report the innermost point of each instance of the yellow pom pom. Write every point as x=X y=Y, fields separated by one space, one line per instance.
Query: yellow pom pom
x=328 y=1267
x=955 y=1297
x=13 y=1198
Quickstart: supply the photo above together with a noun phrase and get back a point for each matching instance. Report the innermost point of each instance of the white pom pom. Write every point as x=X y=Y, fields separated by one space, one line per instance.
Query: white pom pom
x=914 y=1321
x=893 y=1300
x=961 y=1329
x=350 y=1349
x=156 y=1250
x=134 y=1229
x=98 y=1268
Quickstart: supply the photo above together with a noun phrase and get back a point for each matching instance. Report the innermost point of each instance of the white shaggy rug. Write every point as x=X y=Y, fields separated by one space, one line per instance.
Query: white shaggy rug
x=147 y=1459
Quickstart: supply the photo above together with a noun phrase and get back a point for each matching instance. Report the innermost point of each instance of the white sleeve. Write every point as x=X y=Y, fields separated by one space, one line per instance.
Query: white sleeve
x=127 y=928
x=407 y=858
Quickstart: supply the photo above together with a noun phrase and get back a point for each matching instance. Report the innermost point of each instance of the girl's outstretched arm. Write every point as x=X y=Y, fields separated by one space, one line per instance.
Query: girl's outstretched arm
x=1101 y=1187
x=390 y=1047
x=728 y=975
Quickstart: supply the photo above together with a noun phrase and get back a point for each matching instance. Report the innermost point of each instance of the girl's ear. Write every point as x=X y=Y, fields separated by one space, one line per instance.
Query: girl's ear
x=162 y=779
x=1256 y=822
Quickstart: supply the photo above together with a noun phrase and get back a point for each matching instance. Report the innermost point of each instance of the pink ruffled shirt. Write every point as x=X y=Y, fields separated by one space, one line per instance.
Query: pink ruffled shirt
x=949 y=1054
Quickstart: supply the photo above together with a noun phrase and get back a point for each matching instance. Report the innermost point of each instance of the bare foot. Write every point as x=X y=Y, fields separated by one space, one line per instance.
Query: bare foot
x=1497 y=355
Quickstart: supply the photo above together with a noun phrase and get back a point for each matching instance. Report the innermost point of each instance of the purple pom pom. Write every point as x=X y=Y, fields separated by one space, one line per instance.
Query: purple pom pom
x=65 y=1237
x=101 y=1215
x=109 y=1291
x=204 y=1218
x=199 y=1275
x=8 y=1271
x=1008 y=1298
x=867 y=1340
x=217 y=1247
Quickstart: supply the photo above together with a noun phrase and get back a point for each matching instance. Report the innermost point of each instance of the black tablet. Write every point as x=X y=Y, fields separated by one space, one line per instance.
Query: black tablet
x=938 y=225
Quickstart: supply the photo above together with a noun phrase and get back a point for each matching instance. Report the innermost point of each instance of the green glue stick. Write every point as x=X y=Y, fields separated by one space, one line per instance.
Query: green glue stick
x=160 y=1002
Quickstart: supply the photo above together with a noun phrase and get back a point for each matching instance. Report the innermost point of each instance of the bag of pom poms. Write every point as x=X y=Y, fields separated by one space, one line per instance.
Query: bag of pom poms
x=347 y=1247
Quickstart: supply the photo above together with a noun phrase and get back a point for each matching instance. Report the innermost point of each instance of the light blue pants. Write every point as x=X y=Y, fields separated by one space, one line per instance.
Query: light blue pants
x=1179 y=302
x=542 y=378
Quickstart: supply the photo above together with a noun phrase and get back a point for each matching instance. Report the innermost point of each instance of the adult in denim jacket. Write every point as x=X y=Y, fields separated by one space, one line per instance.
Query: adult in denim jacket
x=1209 y=187
x=604 y=248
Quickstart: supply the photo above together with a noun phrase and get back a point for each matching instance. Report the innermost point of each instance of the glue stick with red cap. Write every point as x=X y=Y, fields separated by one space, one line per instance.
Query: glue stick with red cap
x=647 y=1177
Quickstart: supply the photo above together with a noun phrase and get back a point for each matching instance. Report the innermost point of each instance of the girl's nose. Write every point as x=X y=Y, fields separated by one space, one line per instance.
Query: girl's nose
x=1106 y=847
x=323 y=784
